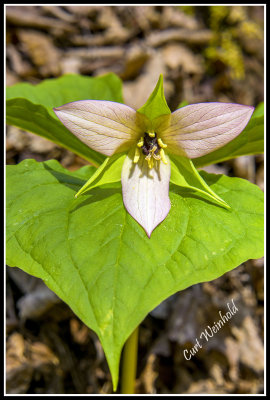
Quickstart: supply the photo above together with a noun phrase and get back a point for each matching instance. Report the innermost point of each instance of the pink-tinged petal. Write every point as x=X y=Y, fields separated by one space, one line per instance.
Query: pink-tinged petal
x=199 y=129
x=146 y=192
x=105 y=126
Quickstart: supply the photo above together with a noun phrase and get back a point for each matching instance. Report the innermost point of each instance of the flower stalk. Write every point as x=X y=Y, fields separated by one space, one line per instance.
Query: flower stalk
x=129 y=363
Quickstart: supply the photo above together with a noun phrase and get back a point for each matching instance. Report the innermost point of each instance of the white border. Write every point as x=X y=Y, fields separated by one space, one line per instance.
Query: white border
x=4 y=130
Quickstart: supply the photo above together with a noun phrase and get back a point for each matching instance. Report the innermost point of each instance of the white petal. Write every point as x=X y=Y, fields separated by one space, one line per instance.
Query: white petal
x=105 y=126
x=199 y=129
x=146 y=192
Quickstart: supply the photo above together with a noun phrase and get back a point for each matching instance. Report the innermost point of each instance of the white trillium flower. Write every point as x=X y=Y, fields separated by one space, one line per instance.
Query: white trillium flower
x=191 y=131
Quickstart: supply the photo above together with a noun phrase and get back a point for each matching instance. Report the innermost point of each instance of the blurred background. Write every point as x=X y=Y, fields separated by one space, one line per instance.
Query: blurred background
x=205 y=53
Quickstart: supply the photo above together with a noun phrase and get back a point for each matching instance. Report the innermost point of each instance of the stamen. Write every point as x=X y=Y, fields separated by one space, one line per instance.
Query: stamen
x=153 y=149
x=140 y=142
x=161 y=144
x=156 y=157
x=150 y=162
x=136 y=156
x=162 y=155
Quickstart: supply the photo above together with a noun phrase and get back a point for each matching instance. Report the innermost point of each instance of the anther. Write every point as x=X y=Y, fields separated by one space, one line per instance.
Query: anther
x=162 y=155
x=140 y=142
x=161 y=144
x=152 y=134
x=136 y=156
x=150 y=162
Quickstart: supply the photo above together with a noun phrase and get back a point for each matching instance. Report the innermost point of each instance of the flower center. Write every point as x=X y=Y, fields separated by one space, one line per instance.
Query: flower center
x=152 y=147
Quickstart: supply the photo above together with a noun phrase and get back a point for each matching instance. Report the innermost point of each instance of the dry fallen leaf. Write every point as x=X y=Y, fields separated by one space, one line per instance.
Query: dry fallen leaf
x=178 y=56
x=23 y=359
x=39 y=46
x=250 y=345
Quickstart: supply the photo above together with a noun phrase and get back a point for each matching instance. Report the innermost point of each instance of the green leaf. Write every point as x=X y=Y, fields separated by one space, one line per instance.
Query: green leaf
x=108 y=172
x=250 y=141
x=67 y=88
x=184 y=174
x=156 y=105
x=35 y=118
x=98 y=260
x=183 y=104
x=259 y=111
x=30 y=107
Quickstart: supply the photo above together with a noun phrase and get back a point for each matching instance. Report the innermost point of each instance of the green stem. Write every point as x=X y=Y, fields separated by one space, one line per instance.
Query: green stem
x=129 y=363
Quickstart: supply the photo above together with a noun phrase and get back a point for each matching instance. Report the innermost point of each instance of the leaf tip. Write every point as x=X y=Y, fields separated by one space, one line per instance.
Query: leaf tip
x=160 y=79
x=115 y=384
x=229 y=208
